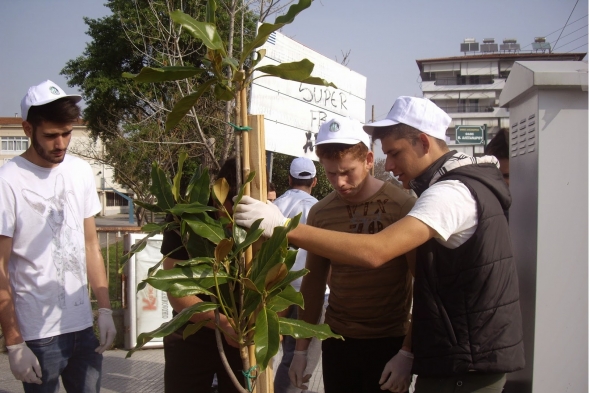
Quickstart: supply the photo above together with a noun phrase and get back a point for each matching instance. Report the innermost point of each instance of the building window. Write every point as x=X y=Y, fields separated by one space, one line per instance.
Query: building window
x=115 y=199
x=15 y=143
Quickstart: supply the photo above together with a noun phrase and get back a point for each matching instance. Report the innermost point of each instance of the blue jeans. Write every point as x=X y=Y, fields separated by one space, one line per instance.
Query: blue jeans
x=70 y=355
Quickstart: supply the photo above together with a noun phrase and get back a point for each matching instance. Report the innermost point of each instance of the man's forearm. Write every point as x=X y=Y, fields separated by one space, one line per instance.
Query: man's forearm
x=8 y=320
x=95 y=268
x=360 y=249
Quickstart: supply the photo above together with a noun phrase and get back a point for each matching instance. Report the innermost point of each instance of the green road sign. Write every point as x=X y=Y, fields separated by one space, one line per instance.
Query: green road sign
x=470 y=134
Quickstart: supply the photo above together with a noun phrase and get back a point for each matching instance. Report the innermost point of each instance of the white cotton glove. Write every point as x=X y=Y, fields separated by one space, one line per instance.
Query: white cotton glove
x=106 y=329
x=298 y=365
x=24 y=364
x=397 y=374
x=250 y=210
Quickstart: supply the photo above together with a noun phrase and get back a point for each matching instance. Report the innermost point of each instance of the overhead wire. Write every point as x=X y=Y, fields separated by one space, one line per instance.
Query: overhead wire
x=553 y=32
x=586 y=44
x=568 y=19
x=585 y=35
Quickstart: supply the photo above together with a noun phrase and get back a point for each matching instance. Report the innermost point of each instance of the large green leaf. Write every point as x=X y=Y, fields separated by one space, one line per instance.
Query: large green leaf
x=191 y=208
x=294 y=71
x=260 y=55
x=186 y=280
x=252 y=235
x=205 y=227
x=163 y=74
x=192 y=328
x=243 y=187
x=210 y=15
x=139 y=246
x=206 y=32
x=148 y=206
x=185 y=104
x=272 y=252
x=196 y=261
x=288 y=279
x=300 y=329
x=285 y=298
x=313 y=80
x=171 y=326
x=195 y=244
x=177 y=178
x=223 y=92
x=198 y=187
x=266 y=336
x=161 y=188
x=266 y=29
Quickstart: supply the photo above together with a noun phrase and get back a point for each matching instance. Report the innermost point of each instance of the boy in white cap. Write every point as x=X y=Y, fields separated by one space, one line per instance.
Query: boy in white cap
x=466 y=320
x=296 y=200
x=368 y=307
x=49 y=252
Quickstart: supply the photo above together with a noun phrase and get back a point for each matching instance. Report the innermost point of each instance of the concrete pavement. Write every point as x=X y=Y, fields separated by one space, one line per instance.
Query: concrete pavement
x=143 y=372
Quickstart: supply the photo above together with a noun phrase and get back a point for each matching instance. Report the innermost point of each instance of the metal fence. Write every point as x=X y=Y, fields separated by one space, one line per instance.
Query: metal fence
x=111 y=244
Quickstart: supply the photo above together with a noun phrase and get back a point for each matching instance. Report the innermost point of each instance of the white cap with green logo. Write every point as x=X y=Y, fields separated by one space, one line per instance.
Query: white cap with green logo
x=42 y=94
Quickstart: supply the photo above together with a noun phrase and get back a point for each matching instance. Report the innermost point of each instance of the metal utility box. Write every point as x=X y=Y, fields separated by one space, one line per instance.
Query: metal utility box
x=548 y=103
x=149 y=308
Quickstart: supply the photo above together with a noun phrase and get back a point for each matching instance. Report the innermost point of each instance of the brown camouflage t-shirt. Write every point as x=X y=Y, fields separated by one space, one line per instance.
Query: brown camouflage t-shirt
x=363 y=302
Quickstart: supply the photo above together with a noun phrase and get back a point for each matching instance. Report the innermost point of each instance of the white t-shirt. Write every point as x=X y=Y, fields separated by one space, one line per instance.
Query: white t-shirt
x=449 y=208
x=43 y=211
x=291 y=203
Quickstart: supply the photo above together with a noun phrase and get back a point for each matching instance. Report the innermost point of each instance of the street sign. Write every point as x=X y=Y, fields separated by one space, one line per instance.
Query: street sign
x=470 y=134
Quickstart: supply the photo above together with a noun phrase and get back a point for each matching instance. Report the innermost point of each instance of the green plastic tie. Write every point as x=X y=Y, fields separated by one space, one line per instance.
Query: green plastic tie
x=239 y=128
x=249 y=376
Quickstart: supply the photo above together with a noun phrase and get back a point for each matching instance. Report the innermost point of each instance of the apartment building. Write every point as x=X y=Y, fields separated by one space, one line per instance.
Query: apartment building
x=14 y=142
x=468 y=86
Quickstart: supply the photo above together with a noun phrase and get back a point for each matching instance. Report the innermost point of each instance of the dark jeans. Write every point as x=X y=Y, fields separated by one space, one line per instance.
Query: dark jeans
x=355 y=365
x=191 y=363
x=467 y=383
x=70 y=355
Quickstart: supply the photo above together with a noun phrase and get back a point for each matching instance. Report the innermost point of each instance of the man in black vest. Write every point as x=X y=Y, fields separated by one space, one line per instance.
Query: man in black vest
x=467 y=326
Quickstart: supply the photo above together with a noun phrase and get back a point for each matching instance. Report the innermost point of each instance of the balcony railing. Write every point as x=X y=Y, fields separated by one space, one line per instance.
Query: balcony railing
x=460 y=80
x=466 y=108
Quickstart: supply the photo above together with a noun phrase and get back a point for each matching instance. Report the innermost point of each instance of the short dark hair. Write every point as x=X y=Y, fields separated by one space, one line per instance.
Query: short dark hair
x=228 y=172
x=60 y=111
x=499 y=146
x=301 y=182
x=404 y=131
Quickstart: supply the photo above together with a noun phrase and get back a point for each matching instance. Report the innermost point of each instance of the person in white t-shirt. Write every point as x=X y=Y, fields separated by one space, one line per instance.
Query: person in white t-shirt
x=296 y=200
x=49 y=252
x=466 y=319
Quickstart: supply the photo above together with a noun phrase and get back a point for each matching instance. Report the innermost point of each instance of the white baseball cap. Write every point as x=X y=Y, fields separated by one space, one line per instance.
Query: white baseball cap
x=302 y=168
x=42 y=94
x=420 y=113
x=343 y=130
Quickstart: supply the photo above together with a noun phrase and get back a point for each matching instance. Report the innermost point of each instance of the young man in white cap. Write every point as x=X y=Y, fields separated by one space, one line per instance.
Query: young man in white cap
x=368 y=307
x=49 y=252
x=296 y=200
x=467 y=325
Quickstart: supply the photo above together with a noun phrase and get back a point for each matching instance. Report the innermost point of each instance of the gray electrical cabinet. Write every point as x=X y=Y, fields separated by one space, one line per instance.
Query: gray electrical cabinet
x=548 y=104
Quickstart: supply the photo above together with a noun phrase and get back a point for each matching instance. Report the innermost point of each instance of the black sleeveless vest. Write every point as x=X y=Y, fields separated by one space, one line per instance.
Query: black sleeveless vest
x=466 y=314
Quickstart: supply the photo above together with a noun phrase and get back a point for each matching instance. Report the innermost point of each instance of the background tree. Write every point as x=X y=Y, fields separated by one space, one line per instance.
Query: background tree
x=280 y=176
x=130 y=118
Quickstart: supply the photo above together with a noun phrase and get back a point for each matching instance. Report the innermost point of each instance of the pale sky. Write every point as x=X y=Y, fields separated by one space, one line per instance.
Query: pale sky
x=385 y=37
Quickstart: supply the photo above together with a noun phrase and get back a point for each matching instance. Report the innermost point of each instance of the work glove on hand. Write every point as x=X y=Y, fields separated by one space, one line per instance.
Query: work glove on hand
x=106 y=329
x=397 y=374
x=24 y=364
x=298 y=365
x=250 y=210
